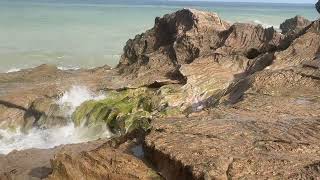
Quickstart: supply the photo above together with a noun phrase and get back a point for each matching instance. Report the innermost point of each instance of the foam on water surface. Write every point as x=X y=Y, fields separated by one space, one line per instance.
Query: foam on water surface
x=13 y=70
x=49 y=138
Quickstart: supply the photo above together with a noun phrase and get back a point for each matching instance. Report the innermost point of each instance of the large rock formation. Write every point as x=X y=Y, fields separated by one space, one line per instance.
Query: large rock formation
x=224 y=102
x=294 y=25
x=269 y=131
x=175 y=39
x=182 y=37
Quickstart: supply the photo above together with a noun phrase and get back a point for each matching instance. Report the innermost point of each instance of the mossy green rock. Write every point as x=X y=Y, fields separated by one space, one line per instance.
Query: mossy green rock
x=123 y=111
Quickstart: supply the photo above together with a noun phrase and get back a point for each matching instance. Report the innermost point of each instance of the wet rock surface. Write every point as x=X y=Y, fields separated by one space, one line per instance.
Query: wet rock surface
x=29 y=97
x=207 y=99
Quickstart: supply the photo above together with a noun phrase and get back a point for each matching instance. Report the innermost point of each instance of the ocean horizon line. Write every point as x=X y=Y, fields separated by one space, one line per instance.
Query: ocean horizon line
x=158 y=2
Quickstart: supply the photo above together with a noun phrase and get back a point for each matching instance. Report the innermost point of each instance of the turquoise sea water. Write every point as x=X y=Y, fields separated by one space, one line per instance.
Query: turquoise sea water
x=87 y=34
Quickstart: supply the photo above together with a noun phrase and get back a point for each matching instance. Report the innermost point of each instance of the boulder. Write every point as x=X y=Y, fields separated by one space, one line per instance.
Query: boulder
x=175 y=39
x=188 y=36
x=294 y=25
x=304 y=48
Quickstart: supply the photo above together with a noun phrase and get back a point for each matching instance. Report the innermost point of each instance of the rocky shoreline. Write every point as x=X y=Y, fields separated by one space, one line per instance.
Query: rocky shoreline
x=198 y=97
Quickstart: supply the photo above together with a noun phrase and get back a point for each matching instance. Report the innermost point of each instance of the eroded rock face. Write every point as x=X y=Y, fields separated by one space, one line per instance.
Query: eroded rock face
x=101 y=163
x=249 y=40
x=199 y=50
x=176 y=39
x=304 y=48
x=294 y=25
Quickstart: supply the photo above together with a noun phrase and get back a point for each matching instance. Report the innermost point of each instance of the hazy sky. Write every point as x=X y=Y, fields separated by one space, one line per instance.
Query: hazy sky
x=273 y=1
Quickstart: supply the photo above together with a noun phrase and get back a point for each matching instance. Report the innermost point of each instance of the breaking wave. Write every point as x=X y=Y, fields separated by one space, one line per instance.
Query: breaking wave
x=49 y=138
x=13 y=70
x=266 y=25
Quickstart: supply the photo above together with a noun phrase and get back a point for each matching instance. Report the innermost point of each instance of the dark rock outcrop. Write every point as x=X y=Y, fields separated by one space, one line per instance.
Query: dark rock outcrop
x=294 y=25
x=318 y=6
x=175 y=39
x=188 y=36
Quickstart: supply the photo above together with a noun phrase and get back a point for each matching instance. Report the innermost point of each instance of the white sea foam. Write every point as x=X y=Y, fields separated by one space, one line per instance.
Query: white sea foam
x=49 y=138
x=13 y=70
x=76 y=96
x=67 y=68
x=266 y=25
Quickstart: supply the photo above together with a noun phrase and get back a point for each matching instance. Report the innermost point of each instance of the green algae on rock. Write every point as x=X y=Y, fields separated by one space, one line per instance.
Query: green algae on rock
x=123 y=112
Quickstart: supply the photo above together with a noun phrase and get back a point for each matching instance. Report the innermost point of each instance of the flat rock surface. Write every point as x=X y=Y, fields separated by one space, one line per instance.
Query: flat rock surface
x=101 y=163
x=211 y=147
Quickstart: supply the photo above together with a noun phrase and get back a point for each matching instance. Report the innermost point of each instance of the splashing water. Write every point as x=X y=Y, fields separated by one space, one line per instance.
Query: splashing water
x=49 y=138
x=76 y=96
x=13 y=70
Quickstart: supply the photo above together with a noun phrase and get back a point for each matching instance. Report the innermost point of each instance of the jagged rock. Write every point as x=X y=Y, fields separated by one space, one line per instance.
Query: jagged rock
x=268 y=128
x=304 y=48
x=318 y=6
x=186 y=36
x=294 y=25
x=248 y=40
x=175 y=39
